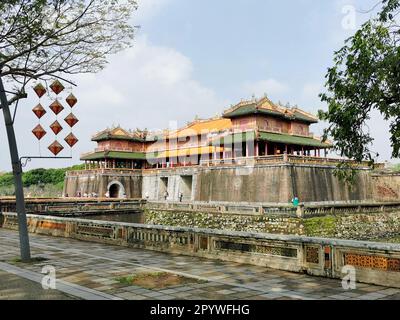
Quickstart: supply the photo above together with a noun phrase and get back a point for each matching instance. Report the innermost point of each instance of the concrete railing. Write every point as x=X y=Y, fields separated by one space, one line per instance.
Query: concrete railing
x=79 y=206
x=102 y=171
x=74 y=206
x=302 y=211
x=287 y=158
x=241 y=161
x=374 y=263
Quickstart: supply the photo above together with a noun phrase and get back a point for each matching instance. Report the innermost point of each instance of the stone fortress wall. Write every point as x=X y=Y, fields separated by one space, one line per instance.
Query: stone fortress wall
x=272 y=183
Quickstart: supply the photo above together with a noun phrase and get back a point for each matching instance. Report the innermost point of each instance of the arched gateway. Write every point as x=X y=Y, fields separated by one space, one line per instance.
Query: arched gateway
x=116 y=189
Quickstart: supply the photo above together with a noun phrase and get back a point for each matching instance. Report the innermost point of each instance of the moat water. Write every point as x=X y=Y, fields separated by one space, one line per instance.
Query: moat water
x=136 y=217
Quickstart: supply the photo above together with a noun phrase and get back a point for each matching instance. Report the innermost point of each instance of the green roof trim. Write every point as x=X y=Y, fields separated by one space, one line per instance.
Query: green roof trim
x=294 y=140
x=252 y=109
x=115 y=155
x=271 y=137
x=303 y=117
x=107 y=136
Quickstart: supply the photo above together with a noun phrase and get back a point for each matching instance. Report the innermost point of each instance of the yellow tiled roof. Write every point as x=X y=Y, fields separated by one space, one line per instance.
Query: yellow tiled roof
x=202 y=126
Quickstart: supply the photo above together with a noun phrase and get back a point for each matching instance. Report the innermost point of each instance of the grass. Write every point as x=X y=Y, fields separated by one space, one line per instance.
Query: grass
x=132 y=278
x=32 y=261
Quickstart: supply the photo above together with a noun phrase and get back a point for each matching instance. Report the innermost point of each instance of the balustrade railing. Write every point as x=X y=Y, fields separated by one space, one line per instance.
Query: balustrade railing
x=238 y=161
x=375 y=263
x=303 y=210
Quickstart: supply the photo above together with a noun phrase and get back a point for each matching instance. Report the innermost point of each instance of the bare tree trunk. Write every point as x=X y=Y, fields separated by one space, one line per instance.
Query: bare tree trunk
x=17 y=172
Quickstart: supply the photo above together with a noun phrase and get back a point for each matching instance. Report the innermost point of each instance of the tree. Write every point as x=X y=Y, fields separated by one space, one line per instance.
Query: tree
x=365 y=76
x=43 y=39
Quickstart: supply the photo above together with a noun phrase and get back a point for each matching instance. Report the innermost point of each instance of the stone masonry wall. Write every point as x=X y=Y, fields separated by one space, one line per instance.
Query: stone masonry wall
x=247 y=223
x=386 y=187
x=98 y=183
x=371 y=226
x=253 y=184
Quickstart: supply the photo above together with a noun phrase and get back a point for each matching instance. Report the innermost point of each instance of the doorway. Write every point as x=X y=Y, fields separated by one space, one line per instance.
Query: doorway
x=115 y=189
x=186 y=187
x=163 y=187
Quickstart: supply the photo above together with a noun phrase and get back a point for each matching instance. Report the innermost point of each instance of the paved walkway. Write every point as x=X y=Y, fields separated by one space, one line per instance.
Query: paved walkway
x=14 y=287
x=89 y=271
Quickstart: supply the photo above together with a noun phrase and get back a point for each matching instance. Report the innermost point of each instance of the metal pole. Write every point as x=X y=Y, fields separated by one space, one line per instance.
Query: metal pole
x=17 y=172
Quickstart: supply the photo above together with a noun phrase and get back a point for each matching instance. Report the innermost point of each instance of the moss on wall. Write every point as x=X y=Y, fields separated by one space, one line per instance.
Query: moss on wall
x=248 y=223
x=320 y=226
x=371 y=226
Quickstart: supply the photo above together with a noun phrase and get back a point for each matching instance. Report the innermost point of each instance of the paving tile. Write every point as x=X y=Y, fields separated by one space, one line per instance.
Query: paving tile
x=225 y=291
x=390 y=291
x=372 y=296
x=74 y=262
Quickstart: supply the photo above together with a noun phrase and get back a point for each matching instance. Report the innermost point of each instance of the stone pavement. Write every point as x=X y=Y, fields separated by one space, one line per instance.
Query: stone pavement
x=88 y=270
x=13 y=287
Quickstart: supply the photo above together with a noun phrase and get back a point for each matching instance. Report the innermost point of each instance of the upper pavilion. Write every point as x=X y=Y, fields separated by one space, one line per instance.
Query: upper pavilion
x=249 y=129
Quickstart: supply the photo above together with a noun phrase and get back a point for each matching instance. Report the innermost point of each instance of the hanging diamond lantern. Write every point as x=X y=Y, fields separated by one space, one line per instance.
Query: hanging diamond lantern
x=39 y=90
x=56 y=107
x=71 y=120
x=71 y=100
x=57 y=87
x=71 y=140
x=39 y=111
x=55 y=148
x=56 y=127
x=39 y=132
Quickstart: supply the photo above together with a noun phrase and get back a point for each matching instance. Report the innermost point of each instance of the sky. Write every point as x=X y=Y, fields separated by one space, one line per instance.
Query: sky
x=197 y=58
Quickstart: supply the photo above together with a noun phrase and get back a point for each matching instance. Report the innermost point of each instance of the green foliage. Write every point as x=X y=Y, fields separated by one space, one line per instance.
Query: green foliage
x=39 y=177
x=320 y=226
x=396 y=167
x=365 y=77
x=6 y=179
x=346 y=173
x=43 y=176
x=43 y=39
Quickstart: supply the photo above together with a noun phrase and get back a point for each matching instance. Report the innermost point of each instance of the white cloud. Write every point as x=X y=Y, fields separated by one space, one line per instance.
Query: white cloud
x=268 y=86
x=145 y=86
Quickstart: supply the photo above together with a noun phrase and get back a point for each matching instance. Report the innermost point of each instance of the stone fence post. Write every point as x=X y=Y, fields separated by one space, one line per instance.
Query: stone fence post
x=300 y=211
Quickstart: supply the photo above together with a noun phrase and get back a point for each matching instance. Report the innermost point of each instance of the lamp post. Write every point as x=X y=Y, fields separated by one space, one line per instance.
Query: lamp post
x=17 y=172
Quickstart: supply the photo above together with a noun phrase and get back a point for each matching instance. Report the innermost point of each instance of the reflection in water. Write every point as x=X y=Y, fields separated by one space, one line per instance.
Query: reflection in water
x=137 y=217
